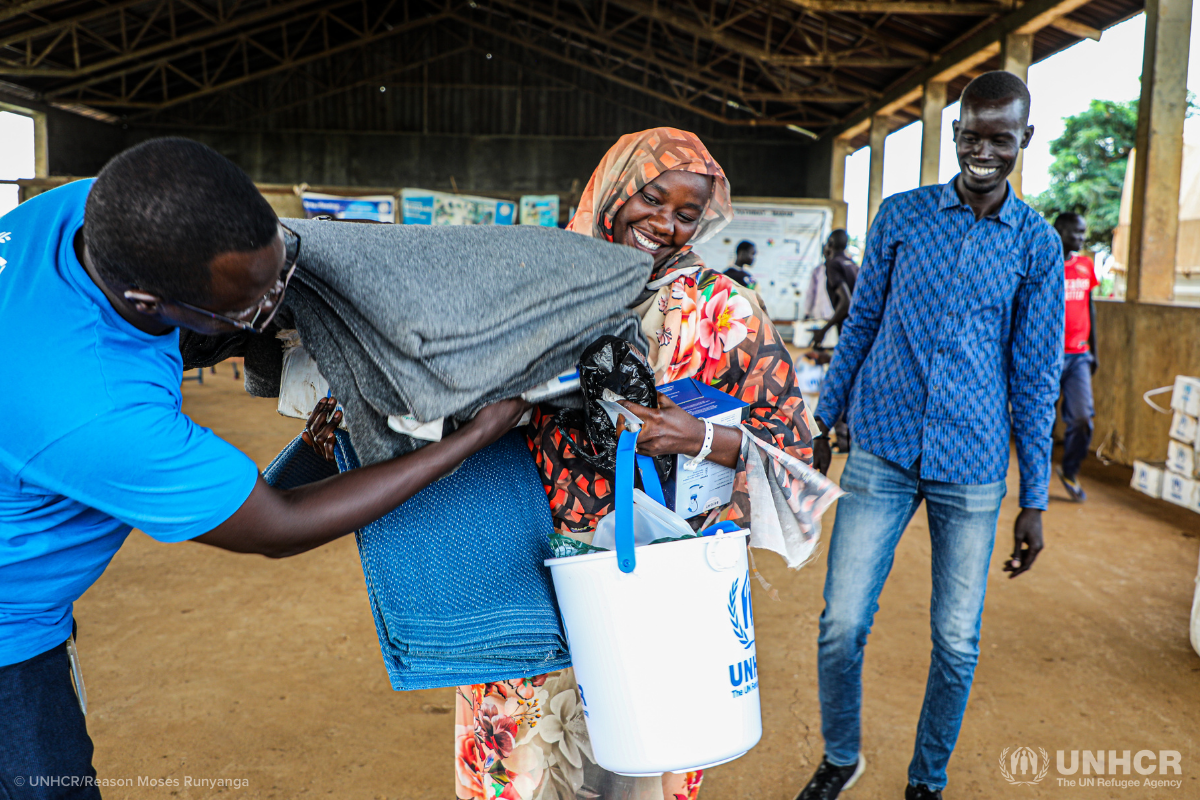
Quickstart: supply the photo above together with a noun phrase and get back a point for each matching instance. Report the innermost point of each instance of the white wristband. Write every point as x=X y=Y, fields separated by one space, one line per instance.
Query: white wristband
x=704 y=451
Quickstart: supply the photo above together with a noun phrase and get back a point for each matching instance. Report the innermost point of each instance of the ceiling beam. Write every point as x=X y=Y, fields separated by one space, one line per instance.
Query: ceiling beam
x=524 y=42
x=721 y=84
x=51 y=28
x=836 y=60
x=17 y=9
x=233 y=39
x=901 y=7
x=374 y=34
x=805 y=97
x=1051 y=15
x=232 y=24
x=1034 y=12
x=869 y=31
x=1076 y=29
x=744 y=46
x=753 y=53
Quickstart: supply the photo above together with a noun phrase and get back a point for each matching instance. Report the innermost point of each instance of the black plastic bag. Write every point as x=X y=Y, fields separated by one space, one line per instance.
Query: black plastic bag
x=614 y=364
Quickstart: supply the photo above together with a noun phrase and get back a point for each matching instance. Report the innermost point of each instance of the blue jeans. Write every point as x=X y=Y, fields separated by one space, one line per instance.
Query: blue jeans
x=883 y=496
x=45 y=750
x=1077 y=411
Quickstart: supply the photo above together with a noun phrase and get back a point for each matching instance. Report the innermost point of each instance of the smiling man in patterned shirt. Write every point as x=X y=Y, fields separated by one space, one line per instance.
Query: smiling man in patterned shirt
x=957 y=318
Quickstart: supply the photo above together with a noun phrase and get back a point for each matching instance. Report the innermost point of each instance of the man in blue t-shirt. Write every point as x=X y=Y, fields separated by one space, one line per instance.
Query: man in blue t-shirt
x=96 y=278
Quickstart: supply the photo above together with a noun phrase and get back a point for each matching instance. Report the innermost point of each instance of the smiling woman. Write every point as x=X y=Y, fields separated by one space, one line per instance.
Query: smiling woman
x=659 y=191
x=664 y=215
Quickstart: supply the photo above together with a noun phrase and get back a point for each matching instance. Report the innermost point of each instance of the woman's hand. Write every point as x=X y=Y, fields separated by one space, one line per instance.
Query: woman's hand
x=666 y=430
x=321 y=426
x=669 y=430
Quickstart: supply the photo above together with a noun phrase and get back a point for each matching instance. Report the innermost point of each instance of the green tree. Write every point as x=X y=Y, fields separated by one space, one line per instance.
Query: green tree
x=1089 y=167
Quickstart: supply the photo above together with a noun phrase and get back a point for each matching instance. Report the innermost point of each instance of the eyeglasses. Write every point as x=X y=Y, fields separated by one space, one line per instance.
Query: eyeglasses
x=270 y=302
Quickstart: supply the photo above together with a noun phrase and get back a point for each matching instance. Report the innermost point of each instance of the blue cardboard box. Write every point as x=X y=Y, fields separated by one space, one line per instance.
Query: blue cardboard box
x=709 y=485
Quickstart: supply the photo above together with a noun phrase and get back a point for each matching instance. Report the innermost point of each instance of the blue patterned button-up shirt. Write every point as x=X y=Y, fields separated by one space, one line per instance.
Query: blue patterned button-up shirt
x=953 y=322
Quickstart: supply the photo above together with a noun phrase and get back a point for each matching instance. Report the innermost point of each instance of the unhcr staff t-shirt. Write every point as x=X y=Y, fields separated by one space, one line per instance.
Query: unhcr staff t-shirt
x=95 y=442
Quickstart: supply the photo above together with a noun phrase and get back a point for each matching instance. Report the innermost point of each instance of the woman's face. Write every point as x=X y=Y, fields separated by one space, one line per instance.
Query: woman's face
x=664 y=215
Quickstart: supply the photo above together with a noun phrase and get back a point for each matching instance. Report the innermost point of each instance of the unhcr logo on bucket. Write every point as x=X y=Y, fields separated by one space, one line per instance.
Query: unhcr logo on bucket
x=743 y=676
x=1027 y=766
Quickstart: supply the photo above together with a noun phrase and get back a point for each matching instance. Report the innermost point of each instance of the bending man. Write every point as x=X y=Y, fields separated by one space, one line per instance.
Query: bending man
x=97 y=279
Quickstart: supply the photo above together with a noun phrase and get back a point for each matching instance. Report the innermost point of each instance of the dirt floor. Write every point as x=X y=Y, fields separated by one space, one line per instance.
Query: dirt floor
x=202 y=664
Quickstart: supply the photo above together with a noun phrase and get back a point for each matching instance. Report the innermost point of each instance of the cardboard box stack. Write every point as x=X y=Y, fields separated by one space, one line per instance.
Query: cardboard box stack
x=1176 y=481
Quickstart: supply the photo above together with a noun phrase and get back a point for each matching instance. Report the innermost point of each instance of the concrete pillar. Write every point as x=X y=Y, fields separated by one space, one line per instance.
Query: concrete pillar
x=1016 y=54
x=837 y=180
x=933 y=102
x=880 y=124
x=1154 y=223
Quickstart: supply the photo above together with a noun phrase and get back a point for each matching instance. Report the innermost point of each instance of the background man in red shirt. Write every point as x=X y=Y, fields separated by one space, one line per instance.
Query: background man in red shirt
x=1079 y=362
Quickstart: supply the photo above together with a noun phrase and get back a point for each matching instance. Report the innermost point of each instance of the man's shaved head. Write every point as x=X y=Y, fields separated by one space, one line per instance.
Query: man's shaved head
x=996 y=87
x=1068 y=219
x=992 y=129
x=839 y=240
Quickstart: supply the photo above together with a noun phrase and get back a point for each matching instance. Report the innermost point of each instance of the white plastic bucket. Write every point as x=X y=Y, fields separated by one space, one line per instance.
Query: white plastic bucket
x=662 y=642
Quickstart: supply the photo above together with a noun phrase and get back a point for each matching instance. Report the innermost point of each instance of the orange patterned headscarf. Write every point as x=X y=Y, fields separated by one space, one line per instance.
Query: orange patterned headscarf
x=635 y=160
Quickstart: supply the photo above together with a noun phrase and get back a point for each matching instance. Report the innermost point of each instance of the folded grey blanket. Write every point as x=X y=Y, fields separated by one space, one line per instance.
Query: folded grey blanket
x=438 y=321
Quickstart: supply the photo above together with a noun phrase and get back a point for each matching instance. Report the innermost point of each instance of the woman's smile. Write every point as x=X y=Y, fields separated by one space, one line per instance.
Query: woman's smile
x=644 y=241
x=671 y=206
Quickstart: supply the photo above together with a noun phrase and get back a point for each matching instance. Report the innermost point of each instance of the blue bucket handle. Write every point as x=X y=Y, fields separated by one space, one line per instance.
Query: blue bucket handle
x=626 y=451
x=728 y=526
x=623 y=501
x=650 y=482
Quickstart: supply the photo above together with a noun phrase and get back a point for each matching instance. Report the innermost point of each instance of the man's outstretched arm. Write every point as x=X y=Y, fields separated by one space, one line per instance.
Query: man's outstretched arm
x=280 y=523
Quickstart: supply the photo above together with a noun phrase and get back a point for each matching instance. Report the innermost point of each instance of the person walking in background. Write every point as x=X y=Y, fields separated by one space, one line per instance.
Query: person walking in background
x=742 y=261
x=816 y=299
x=1079 y=359
x=957 y=318
x=841 y=273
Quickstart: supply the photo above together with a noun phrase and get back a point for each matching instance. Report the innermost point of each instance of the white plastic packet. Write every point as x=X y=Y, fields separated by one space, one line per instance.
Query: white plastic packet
x=651 y=521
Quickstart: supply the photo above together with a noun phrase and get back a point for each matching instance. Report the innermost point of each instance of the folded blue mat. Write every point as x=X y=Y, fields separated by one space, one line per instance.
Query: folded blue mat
x=455 y=576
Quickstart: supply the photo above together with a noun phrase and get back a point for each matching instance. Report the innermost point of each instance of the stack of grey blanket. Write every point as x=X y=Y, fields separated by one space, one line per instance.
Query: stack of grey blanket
x=438 y=321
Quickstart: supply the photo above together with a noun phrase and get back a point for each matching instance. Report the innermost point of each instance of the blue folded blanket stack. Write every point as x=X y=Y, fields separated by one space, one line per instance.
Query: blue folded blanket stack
x=455 y=575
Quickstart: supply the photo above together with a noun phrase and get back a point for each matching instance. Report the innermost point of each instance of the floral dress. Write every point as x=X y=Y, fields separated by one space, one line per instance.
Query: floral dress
x=526 y=739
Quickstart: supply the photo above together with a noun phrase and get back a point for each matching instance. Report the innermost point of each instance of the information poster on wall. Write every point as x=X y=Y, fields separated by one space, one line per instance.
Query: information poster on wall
x=377 y=208
x=540 y=209
x=424 y=207
x=788 y=239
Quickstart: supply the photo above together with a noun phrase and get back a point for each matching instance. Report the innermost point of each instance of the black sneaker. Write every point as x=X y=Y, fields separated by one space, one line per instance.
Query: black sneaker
x=829 y=781
x=922 y=793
